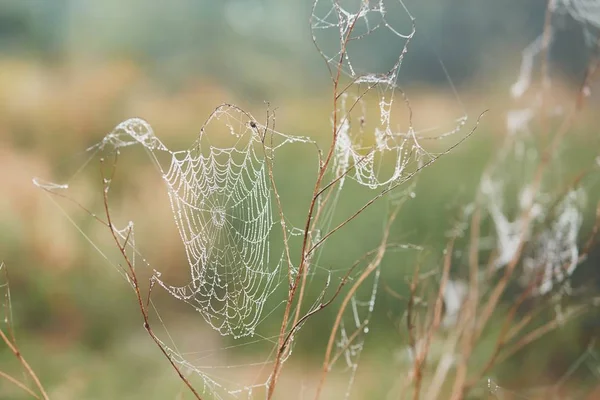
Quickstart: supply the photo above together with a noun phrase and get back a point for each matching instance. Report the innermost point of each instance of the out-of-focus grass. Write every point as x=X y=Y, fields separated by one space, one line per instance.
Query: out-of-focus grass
x=76 y=320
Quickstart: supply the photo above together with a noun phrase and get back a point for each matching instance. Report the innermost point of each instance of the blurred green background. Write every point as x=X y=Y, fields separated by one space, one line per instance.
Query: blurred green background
x=70 y=70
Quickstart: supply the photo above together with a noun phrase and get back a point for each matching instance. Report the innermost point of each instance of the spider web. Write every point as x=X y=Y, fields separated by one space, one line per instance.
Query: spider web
x=520 y=209
x=221 y=203
x=585 y=12
x=377 y=145
x=556 y=252
x=349 y=23
x=224 y=204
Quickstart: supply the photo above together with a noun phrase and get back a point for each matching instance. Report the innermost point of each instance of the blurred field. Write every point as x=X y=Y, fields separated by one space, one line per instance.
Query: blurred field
x=76 y=320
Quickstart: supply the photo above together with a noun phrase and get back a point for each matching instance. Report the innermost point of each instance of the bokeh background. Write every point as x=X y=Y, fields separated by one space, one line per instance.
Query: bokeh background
x=70 y=70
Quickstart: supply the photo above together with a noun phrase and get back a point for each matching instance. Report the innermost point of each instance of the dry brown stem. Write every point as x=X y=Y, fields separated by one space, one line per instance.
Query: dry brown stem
x=133 y=279
x=11 y=343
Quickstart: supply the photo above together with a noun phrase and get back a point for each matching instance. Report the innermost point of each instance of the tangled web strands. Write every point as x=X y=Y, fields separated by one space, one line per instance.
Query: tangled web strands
x=353 y=329
x=550 y=232
x=222 y=199
x=550 y=227
x=556 y=254
x=372 y=148
x=585 y=12
x=222 y=206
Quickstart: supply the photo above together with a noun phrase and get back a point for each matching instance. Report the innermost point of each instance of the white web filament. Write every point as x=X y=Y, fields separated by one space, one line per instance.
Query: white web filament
x=587 y=15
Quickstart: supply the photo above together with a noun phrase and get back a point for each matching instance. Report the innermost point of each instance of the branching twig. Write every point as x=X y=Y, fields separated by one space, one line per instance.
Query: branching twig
x=11 y=343
x=365 y=274
x=25 y=365
x=131 y=274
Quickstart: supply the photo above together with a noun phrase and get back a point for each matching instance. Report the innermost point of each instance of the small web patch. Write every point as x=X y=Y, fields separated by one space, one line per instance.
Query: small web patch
x=556 y=252
x=587 y=15
x=377 y=144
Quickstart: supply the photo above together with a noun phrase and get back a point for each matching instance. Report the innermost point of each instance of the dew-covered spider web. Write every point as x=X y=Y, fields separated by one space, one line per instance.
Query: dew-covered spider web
x=221 y=198
x=237 y=236
x=222 y=206
x=523 y=189
x=378 y=144
x=535 y=209
x=586 y=13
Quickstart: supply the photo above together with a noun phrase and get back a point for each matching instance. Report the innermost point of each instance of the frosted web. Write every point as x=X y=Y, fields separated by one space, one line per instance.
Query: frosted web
x=377 y=143
x=587 y=15
x=227 y=212
x=221 y=197
x=222 y=206
x=556 y=252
